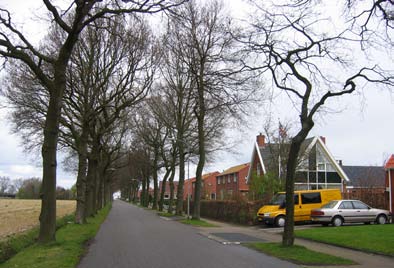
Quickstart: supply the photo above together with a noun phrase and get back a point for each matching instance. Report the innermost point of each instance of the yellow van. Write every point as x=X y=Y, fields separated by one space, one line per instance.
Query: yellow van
x=304 y=201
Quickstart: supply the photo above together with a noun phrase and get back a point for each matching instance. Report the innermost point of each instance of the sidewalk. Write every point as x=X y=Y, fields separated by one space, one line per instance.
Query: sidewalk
x=225 y=234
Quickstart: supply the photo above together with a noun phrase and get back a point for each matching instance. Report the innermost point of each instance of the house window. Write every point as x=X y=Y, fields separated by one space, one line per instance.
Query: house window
x=258 y=169
x=321 y=167
x=235 y=177
x=228 y=178
x=218 y=180
x=213 y=196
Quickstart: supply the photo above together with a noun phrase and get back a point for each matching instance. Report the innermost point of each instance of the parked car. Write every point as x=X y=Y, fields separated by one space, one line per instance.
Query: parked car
x=304 y=201
x=338 y=212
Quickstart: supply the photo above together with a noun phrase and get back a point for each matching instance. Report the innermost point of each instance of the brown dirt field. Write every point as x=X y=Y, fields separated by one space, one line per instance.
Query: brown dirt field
x=19 y=215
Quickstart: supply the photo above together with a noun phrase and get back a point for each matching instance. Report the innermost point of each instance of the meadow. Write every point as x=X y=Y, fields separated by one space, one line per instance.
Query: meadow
x=17 y=215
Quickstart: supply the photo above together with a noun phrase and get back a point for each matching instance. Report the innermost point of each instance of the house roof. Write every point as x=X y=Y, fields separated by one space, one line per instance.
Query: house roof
x=365 y=176
x=390 y=163
x=205 y=176
x=266 y=153
x=234 y=169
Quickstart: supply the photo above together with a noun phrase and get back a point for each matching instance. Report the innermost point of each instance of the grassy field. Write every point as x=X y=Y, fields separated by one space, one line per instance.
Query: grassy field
x=372 y=238
x=20 y=215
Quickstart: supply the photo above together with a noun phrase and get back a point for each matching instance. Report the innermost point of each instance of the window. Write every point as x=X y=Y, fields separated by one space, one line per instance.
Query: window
x=235 y=177
x=258 y=171
x=321 y=177
x=228 y=178
x=310 y=198
x=359 y=205
x=346 y=205
x=333 y=177
x=218 y=180
x=213 y=196
x=296 y=199
x=321 y=167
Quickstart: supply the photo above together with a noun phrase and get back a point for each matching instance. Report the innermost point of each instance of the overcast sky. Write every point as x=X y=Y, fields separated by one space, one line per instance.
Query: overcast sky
x=360 y=132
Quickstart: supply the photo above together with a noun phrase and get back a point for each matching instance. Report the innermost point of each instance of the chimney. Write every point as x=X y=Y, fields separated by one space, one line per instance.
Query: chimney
x=260 y=140
x=340 y=162
x=323 y=139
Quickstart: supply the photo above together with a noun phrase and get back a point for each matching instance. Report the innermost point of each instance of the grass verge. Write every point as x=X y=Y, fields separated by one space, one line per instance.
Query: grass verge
x=65 y=252
x=198 y=223
x=370 y=238
x=298 y=254
x=165 y=214
x=15 y=243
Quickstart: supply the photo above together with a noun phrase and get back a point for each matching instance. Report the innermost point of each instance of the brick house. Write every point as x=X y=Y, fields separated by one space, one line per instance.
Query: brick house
x=167 y=189
x=367 y=183
x=208 y=190
x=317 y=168
x=232 y=182
x=389 y=181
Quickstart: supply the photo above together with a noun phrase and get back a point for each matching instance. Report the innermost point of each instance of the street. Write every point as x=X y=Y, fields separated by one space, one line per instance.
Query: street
x=134 y=237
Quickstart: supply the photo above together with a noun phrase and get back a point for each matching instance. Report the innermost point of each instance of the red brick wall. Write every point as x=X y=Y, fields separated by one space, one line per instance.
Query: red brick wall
x=229 y=188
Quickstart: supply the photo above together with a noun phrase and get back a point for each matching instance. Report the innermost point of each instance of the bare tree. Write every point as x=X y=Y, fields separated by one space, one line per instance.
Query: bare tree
x=294 y=53
x=207 y=47
x=15 y=45
x=5 y=183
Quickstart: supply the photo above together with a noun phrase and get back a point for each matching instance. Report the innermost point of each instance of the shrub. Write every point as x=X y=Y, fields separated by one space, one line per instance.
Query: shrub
x=236 y=211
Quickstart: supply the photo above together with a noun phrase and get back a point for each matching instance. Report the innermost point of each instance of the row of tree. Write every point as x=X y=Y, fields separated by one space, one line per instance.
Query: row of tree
x=31 y=189
x=126 y=103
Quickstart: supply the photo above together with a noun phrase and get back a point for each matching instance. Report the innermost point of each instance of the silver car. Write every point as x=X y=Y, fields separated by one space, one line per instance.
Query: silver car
x=338 y=212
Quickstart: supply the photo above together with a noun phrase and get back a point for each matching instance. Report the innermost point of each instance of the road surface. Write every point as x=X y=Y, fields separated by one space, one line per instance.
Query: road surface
x=132 y=237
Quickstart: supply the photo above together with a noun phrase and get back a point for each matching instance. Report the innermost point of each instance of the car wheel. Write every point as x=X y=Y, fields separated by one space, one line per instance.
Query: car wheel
x=280 y=221
x=337 y=221
x=381 y=219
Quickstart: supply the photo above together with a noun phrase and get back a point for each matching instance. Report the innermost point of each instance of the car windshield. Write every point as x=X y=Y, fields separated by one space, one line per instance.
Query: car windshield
x=278 y=199
x=330 y=204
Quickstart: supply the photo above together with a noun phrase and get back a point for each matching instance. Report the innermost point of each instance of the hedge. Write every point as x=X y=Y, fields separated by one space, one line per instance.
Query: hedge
x=235 y=211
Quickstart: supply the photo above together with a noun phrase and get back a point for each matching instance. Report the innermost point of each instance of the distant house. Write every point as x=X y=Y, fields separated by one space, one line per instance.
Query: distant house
x=317 y=168
x=208 y=189
x=367 y=183
x=365 y=177
x=389 y=181
x=168 y=190
x=232 y=182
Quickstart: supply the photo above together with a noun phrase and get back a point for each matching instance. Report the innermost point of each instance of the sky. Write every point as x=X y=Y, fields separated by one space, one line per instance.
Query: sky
x=359 y=132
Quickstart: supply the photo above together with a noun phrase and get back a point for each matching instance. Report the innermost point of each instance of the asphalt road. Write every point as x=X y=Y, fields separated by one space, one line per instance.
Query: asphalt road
x=134 y=238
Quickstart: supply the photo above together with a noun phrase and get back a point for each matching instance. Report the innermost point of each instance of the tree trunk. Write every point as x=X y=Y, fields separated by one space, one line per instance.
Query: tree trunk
x=90 y=185
x=201 y=151
x=288 y=233
x=179 y=196
x=155 y=179
x=49 y=149
x=143 y=193
x=80 y=216
x=172 y=188
x=163 y=189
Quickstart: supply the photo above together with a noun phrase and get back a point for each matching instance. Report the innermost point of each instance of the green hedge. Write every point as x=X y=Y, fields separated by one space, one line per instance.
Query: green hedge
x=236 y=211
